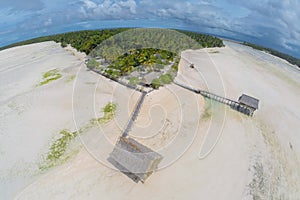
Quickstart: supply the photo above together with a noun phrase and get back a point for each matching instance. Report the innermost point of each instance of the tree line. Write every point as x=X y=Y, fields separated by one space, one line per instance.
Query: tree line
x=84 y=41
x=290 y=59
x=87 y=40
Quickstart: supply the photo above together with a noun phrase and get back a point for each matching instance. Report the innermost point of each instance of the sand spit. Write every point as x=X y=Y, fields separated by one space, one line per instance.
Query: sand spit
x=210 y=151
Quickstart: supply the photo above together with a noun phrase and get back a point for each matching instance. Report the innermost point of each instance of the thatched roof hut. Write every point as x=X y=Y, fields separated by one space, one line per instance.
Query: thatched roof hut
x=249 y=101
x=134 y=159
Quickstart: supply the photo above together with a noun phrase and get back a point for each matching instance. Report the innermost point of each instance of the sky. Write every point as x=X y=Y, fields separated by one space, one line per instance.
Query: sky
x=271 y=23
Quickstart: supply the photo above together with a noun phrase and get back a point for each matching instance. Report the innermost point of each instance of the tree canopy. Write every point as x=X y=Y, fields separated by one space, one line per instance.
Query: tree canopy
x=286 y=57
x=87 y=40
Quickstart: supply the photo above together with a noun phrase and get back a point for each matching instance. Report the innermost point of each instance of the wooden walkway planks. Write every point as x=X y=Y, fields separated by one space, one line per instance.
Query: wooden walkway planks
x=134 y=114
x=233 y=104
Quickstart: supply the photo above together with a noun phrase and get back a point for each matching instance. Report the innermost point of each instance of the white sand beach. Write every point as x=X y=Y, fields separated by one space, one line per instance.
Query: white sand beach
x=210 y=151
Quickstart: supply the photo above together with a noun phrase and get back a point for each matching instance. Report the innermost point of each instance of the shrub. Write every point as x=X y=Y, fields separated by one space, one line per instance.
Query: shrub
x=92 y=63
x=134 y=81
x=63 y=44
x=156 y=83
x=166 y=78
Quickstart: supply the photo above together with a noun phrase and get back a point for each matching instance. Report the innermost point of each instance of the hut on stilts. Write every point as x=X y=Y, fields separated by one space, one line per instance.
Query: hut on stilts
x=249 y=103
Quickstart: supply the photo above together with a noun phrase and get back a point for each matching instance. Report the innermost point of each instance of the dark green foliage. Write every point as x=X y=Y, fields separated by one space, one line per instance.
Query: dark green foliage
x=170 y=40
x=84 y=41
x=129 y=62
x=204 y=40
x=286 y=57
x=63 y=44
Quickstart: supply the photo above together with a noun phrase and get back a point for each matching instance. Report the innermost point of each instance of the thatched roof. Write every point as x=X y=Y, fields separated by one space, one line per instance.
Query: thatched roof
x=134 y=159
x=249 y=101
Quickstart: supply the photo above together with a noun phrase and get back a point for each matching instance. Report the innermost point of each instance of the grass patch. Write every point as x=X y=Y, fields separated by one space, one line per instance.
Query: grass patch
x=58 y=149
x=109 y=113
x=49 y=76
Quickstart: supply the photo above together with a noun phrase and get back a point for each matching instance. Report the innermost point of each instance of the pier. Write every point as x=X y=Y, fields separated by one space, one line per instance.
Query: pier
x=238 y=106
x=134 y=114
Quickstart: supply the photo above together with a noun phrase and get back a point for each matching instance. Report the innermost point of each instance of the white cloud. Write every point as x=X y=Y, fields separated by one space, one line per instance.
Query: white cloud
x=273 y=22
x=282 y=17
x=109 y=9
x=48 y=22
x=89 y=4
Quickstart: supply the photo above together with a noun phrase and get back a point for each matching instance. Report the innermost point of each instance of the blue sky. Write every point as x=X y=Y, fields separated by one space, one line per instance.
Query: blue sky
x=272 y=23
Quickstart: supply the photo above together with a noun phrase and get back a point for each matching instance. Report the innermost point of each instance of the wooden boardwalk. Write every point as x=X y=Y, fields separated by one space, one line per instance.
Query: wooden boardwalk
x=233 y=104
x=134 y=114
x=117 y=80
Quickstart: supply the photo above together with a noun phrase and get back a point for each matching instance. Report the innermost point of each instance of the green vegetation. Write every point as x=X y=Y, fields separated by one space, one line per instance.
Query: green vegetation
x=156 y=83
x=166 y=79
x=171 y=40
x=175 y=65
x=120 y=60
x=58 y=149
x=64 y=44
x=109 y=113
x=206 y=41
x=134 y=81
x=148 y=58
x=84 y=41
x=162 y=80
x=49 y=76
x=290 y=59
x=113 y=73
x=92 y=63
